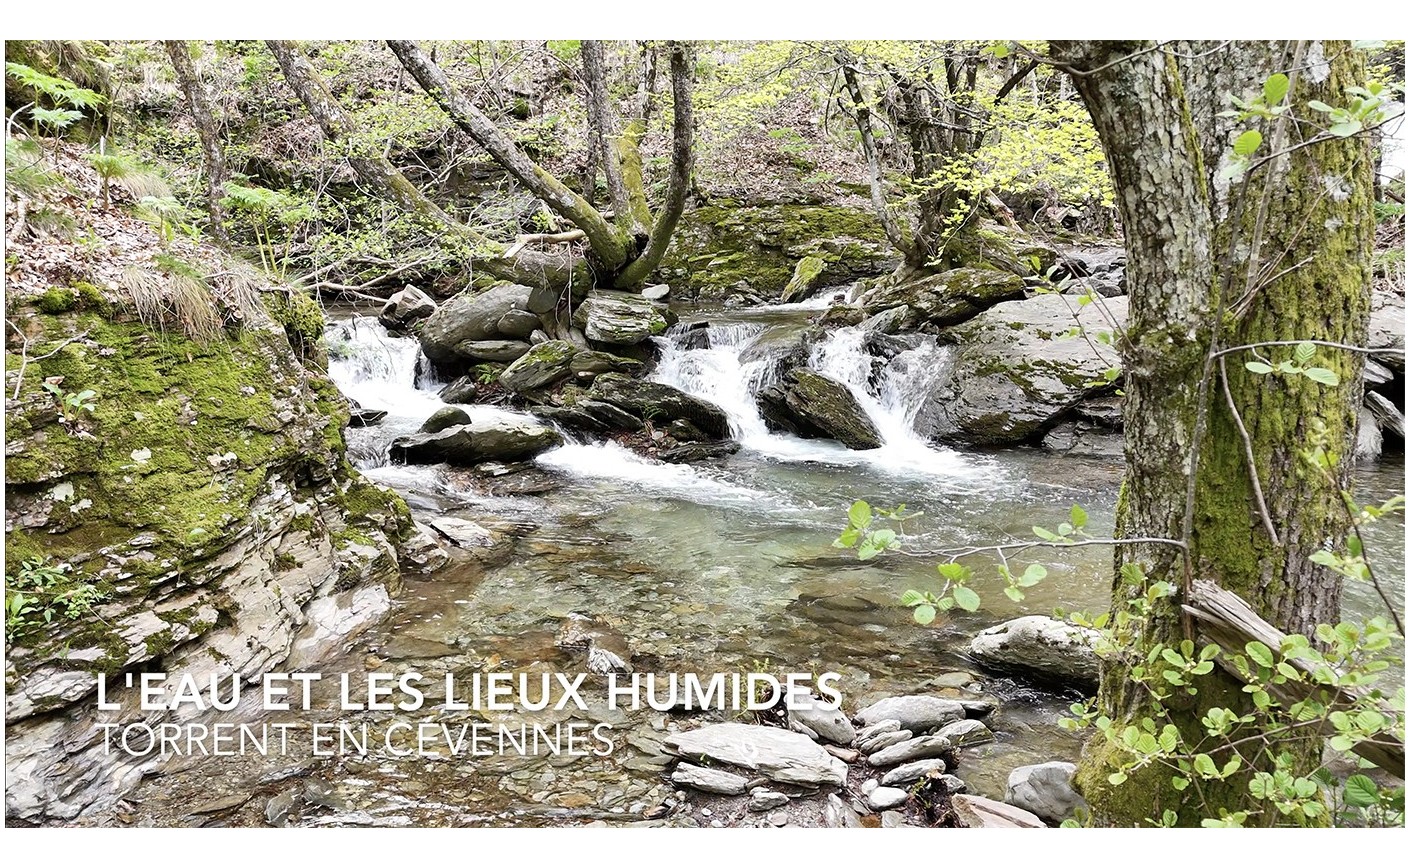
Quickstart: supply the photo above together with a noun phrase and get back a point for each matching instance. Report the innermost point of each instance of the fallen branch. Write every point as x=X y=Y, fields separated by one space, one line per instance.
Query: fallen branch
x=1227 y=621
x=523 y=241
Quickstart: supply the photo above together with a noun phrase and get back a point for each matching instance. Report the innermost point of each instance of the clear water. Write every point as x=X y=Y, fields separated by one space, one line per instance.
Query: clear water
x=726 y=567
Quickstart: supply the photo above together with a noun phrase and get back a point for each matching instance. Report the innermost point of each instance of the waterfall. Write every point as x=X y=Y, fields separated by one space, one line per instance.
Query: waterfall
x=383 y=372
x=743 y=357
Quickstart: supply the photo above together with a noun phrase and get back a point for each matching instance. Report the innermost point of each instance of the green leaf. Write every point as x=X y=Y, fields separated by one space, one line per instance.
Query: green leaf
x=1325 y=376
x=1318 y=105
x=1044 y=534
x=1258 y=367
x=1304 y=351
x=912 y=598
x=1247 y=142
x=966 y=599
x=1275 y=88
x=1345 y=128
x=1116 y=779
x=1361 y=792
x=1013 y=594
x=1205 y=766
x=953 y=572
x=924 y=615
x=1078 y=516
x=859 y=514
x=1260 y=654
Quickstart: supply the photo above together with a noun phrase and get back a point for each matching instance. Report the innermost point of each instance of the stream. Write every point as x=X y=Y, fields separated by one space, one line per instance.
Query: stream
x=720 y=567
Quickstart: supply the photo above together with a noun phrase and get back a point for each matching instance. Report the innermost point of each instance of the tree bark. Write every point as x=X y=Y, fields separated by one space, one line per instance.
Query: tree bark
x=861 y=113
x=1207 y=263
x=602 y=121
x=212 y=150
x=678 y=184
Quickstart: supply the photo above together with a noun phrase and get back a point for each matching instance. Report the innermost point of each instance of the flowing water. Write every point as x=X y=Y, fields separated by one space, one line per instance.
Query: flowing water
x=729 y=566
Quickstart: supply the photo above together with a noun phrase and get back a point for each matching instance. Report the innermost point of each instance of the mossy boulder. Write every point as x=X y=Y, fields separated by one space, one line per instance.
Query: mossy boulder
x=805 y=279
x=659 y=403
x=1021 y=367
x=620 y=318
x=541 y=367
x=810 y=404
x=720 y=245
x=470 y=316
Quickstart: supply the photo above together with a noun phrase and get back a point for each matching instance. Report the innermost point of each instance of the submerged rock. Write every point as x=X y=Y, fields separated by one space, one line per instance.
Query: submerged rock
x=1045 y=789
x=1042 y=646
x=813 y=405
x=778 y=754
x=467 y=445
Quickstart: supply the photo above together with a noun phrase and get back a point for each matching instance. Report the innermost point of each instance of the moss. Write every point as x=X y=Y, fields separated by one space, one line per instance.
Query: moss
x=724 y=243
x=56 y=299
x=302 y=320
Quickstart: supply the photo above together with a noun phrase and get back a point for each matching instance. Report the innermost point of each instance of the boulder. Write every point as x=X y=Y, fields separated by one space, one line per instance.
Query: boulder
x=597 y=362
x=1045 y=789
x=406 y=307
x=361 y=417
x=443 y=419
x=917 y=713
x=469 y=316
x=1019 y=369
x=492 y=351
x=1386 y=330
x=539 y=368
x=517 y=324
x=947 y=298
x=978 y=812
x=467 y=445
x=813 y=405
x=1037 y=645
x=659 y=292
x=696 y=453
x=462 y=390
x=620 y=318
x=778 y=754
x=805 y=279
x=884 y=798
x=660 y=403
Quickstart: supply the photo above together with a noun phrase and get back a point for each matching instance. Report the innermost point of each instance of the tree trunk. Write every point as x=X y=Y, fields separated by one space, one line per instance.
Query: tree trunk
x=366 y=158
x=212 y=151
x=610 y=245
x=1211 y=267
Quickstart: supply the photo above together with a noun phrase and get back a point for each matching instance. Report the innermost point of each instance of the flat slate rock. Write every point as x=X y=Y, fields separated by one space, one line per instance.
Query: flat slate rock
x=778 y=754
x=917 y=713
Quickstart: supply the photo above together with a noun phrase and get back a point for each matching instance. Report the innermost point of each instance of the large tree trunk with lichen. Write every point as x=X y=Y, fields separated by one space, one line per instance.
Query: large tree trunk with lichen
x=212 y=151
x=1283 y=255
